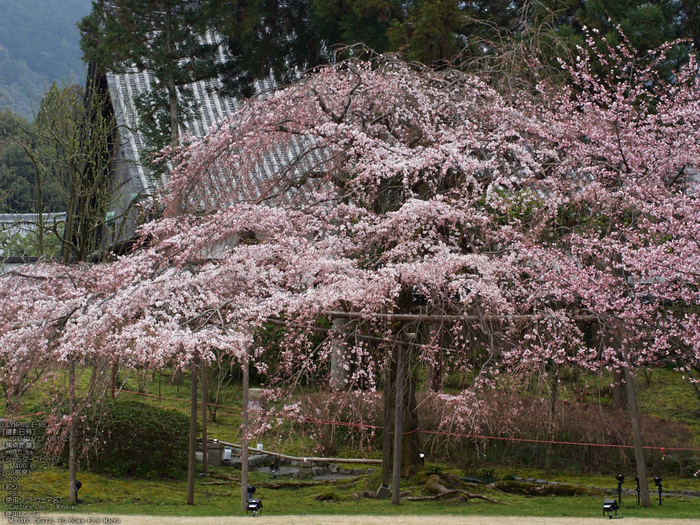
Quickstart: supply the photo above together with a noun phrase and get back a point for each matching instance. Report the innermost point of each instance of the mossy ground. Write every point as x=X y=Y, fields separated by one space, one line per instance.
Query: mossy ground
x=667 y=396
x=107 y=495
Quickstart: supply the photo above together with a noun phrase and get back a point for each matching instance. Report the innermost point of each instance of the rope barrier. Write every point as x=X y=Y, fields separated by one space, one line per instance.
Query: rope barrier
x=304 y=419
x=22 y=416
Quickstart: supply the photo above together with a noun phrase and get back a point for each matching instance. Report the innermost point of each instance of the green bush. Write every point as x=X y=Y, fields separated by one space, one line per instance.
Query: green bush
x=138 y=440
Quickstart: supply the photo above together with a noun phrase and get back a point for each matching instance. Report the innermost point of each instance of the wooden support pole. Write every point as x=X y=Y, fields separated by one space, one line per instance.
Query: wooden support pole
x=398 y=428
x=444 y=318
x=73 y=438
x=386 y=445
x=637 y=434
x=244 y=436
x=193 y=438
x=205 y=452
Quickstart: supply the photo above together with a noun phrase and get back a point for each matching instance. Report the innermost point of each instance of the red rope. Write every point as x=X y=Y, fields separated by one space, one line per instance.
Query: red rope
x=23 y=416
x=304 y=419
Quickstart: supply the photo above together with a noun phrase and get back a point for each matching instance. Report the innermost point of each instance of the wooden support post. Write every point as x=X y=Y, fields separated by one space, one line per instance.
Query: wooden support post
x=193 y=438
x=386 y=449
x=73 y=438
x=244 y=436
x=398 y=428
x=205 y=454
x=637 y=434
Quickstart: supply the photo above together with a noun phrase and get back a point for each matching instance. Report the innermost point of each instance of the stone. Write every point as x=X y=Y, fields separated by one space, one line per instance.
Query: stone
x=384 y=492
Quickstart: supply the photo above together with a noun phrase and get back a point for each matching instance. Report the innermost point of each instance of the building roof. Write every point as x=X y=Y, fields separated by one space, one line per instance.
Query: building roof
x=210 y=108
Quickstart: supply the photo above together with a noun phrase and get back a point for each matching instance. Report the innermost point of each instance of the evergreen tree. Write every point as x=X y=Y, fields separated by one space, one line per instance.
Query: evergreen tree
x=164 y=37
x=283 y=39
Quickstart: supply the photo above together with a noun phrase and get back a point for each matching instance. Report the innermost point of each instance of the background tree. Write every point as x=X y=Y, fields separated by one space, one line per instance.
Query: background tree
x=165 y=37
x=16 y=171
x=69 y=150
x=267 y=38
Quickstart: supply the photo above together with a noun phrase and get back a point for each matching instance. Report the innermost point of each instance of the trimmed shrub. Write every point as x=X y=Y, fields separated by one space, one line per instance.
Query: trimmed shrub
x=138 y=440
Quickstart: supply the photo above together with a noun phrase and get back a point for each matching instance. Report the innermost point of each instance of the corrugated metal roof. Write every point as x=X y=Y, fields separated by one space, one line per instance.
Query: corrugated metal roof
x=210 y=108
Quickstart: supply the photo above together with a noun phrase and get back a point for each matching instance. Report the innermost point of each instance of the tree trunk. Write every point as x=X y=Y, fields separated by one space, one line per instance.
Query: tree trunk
x=193 y=438
x=244 y=436
x=73 y=438
x=339 y=374
x=637 y=432
x=618 y=397
x=205 y=455
x=434 y=366
x=553 y=394
x=172 y=90
x=410 y=441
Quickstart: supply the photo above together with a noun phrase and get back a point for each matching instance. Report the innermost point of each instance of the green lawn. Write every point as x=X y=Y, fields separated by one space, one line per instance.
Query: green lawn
x=219 y=497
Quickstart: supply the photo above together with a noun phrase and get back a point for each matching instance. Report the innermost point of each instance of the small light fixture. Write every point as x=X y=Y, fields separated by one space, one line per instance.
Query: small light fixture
x=620 y=481
x=657 y=482
x=610 y=505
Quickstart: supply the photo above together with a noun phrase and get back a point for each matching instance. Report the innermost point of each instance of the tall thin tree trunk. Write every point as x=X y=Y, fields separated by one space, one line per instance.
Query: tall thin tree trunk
x=398 y=428
x=193 y=438
x=73 y=438
x=244 y=436
x=172 y=90
x=205 y=451
x=637 y=433
x=113 y=378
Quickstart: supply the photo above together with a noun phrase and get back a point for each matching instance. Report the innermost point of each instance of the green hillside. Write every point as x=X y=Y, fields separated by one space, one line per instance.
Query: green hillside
x=39 y=43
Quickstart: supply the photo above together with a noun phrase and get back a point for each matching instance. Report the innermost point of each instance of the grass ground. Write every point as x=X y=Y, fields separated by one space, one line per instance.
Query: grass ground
x=666 y=396
x=221 y=497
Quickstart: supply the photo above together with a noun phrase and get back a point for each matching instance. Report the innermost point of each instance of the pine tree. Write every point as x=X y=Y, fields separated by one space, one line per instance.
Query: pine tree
x=163 y=37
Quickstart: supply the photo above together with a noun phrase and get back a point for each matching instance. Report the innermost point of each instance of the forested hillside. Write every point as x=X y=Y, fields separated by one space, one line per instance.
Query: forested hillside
x=38 y=44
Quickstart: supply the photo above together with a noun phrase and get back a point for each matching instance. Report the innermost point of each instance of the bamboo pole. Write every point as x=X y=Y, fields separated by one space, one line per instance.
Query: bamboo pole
x=637 y=434
x=73 y=438
x=386 y=444
x=398 y=429
x=193 y=438
x=312 y=459
x=244 y=436
x=205 y=451
x=450 y=318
